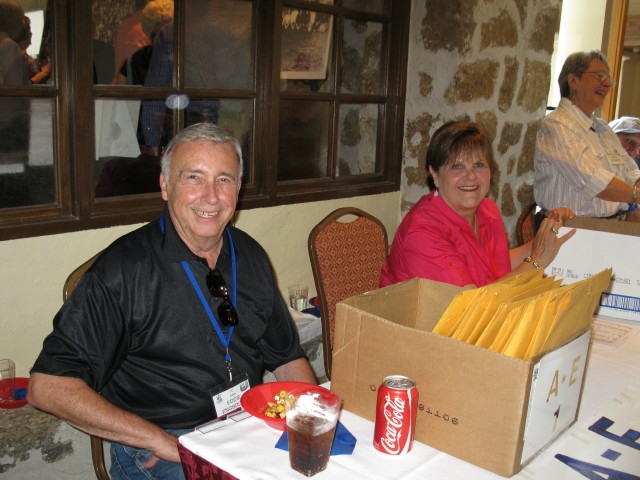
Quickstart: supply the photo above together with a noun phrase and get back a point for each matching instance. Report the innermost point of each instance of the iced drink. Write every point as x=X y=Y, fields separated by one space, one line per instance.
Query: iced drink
x=312 y=416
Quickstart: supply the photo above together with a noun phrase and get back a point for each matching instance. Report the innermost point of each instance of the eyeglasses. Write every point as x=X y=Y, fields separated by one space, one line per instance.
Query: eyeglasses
x=227 y=313
x=603 y=77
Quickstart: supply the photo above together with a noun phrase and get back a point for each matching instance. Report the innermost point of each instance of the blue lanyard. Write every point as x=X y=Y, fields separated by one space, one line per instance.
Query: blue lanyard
x=225 y=340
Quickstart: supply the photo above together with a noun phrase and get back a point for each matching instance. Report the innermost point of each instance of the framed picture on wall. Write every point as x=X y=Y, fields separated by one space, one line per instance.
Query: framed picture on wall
x=306 y=42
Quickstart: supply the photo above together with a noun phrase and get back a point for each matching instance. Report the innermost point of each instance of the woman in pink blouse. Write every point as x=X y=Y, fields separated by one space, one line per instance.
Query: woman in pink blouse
x=455 y=234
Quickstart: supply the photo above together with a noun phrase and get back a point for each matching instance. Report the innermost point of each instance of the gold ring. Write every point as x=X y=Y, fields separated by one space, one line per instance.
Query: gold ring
x=554 y=230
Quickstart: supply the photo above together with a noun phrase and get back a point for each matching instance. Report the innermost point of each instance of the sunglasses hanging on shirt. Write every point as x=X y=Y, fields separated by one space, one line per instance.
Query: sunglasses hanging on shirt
x=227 y=313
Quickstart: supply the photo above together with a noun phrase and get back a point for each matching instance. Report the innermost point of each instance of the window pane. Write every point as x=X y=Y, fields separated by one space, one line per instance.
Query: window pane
x=362 y=58
x=27 y=174
x=237 y=117
x=121 y=166
x=358 y=132
x=325 y=2
x=26 y=53
x=218 y=36
x=125 y=32
x=306 y=43
x=303 y=139
x=370 y=6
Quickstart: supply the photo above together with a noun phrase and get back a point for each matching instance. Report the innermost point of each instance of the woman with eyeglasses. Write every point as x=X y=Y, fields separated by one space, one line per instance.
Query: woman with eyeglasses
x=579 y=162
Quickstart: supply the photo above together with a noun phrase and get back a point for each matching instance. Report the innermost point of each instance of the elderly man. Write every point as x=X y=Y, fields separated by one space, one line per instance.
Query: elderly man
x=628 y=131
x=169 y=317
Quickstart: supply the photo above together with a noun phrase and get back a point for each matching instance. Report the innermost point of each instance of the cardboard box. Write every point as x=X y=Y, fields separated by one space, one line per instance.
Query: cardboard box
x=483 y=407
x=600 y=244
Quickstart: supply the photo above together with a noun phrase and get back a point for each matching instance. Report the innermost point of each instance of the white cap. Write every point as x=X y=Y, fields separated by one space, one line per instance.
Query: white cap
x=626 y=125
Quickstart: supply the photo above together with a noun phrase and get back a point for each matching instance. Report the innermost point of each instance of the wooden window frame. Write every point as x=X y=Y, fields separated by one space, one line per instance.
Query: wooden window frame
x=76 y=208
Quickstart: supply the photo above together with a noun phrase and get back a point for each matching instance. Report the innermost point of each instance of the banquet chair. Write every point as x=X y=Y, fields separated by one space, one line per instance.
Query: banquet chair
x=346 y=260
x=525 y=229
x=97 y=446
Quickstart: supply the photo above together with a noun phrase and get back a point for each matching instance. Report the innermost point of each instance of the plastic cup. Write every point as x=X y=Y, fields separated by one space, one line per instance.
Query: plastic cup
x=7 y=380
x=298 y=296
x=312 y=417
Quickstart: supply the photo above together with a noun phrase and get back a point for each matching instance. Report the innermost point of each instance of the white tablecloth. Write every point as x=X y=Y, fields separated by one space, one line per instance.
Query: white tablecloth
x=246 y=449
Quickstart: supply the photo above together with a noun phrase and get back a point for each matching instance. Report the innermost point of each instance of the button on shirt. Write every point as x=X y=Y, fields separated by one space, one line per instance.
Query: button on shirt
x=135 y=331
x=576 y=158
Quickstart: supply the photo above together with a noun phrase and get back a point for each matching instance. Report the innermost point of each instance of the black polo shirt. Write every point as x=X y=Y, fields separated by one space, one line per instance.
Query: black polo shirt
x=135 y=330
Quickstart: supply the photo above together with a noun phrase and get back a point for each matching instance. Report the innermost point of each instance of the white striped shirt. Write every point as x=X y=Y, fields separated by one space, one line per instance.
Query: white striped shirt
x=576 y=158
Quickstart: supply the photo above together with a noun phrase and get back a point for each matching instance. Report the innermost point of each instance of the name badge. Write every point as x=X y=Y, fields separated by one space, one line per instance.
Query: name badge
x=226 y=397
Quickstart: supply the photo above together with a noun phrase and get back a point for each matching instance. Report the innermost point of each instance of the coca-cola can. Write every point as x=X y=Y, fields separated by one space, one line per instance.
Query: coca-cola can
x=396 y=415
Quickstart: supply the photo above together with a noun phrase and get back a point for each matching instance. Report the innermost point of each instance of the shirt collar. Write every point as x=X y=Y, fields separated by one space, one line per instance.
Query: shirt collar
x=175 y=250
x=586 y=122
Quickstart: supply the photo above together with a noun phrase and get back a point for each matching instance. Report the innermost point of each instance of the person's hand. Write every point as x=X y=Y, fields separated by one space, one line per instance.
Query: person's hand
x=561 y=214
x=166 y=448
x=546 y=243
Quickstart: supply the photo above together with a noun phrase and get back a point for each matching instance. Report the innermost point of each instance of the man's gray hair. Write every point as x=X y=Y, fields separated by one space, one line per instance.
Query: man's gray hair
x=577 y=63
x=208 y=132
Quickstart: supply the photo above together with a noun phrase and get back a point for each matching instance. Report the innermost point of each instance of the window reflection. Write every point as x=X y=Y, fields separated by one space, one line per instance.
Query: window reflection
x=218 y=39
x=132 y=134
x=237 y=117
x=358 y=134
x=125 y=166
x=371 y=6
x=27 y=175
x=306 y=43
x=135 y=38
x=26 y=144
x=303 y=139
x=122 y=28
x=25 y=58
x=362 y=58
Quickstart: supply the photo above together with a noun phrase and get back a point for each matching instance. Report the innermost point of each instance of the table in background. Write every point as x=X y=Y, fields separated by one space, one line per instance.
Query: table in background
x=245 y=450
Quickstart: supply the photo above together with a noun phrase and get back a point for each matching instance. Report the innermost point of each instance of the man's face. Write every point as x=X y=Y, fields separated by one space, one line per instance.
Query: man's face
x=630 y=142
x=201 y=192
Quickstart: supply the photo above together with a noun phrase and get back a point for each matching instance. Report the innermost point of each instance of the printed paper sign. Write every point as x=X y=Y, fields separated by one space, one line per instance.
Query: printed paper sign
x=608 y=446
x=554 y=395
x=589 y=252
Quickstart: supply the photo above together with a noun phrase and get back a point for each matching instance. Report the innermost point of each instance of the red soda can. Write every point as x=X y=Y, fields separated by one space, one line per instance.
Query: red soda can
x=396 y=415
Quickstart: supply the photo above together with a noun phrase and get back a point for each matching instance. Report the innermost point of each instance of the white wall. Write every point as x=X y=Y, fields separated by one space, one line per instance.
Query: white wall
x=34 y=269
x=581 y=29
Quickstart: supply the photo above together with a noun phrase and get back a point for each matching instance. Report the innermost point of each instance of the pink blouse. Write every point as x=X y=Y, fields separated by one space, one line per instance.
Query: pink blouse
x=434 y=242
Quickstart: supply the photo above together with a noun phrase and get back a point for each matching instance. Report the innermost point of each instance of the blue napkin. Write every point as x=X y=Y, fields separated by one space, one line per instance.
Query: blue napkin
x=343 y=443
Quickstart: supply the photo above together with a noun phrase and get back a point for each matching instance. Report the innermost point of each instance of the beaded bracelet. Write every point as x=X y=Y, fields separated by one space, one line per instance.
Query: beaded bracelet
x=632 y=207
x=530 y=260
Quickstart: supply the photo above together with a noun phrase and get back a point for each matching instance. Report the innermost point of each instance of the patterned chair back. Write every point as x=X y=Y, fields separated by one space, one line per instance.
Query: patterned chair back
x=525 y=230
x=346 y=259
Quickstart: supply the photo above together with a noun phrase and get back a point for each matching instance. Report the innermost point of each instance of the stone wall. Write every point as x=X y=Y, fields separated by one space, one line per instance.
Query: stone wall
x=487 y=61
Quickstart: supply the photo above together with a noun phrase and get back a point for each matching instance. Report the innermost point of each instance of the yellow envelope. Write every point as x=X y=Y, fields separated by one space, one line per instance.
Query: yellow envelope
x=487 y=301
x=523 y=334
x=575 y=308
x=535 y=286
x=521 y=278
x=455 y=312
x=547 y=314
x=508 y=324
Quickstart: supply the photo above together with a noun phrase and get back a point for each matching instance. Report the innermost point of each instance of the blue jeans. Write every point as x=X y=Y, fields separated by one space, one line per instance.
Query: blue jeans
x=127 y=463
